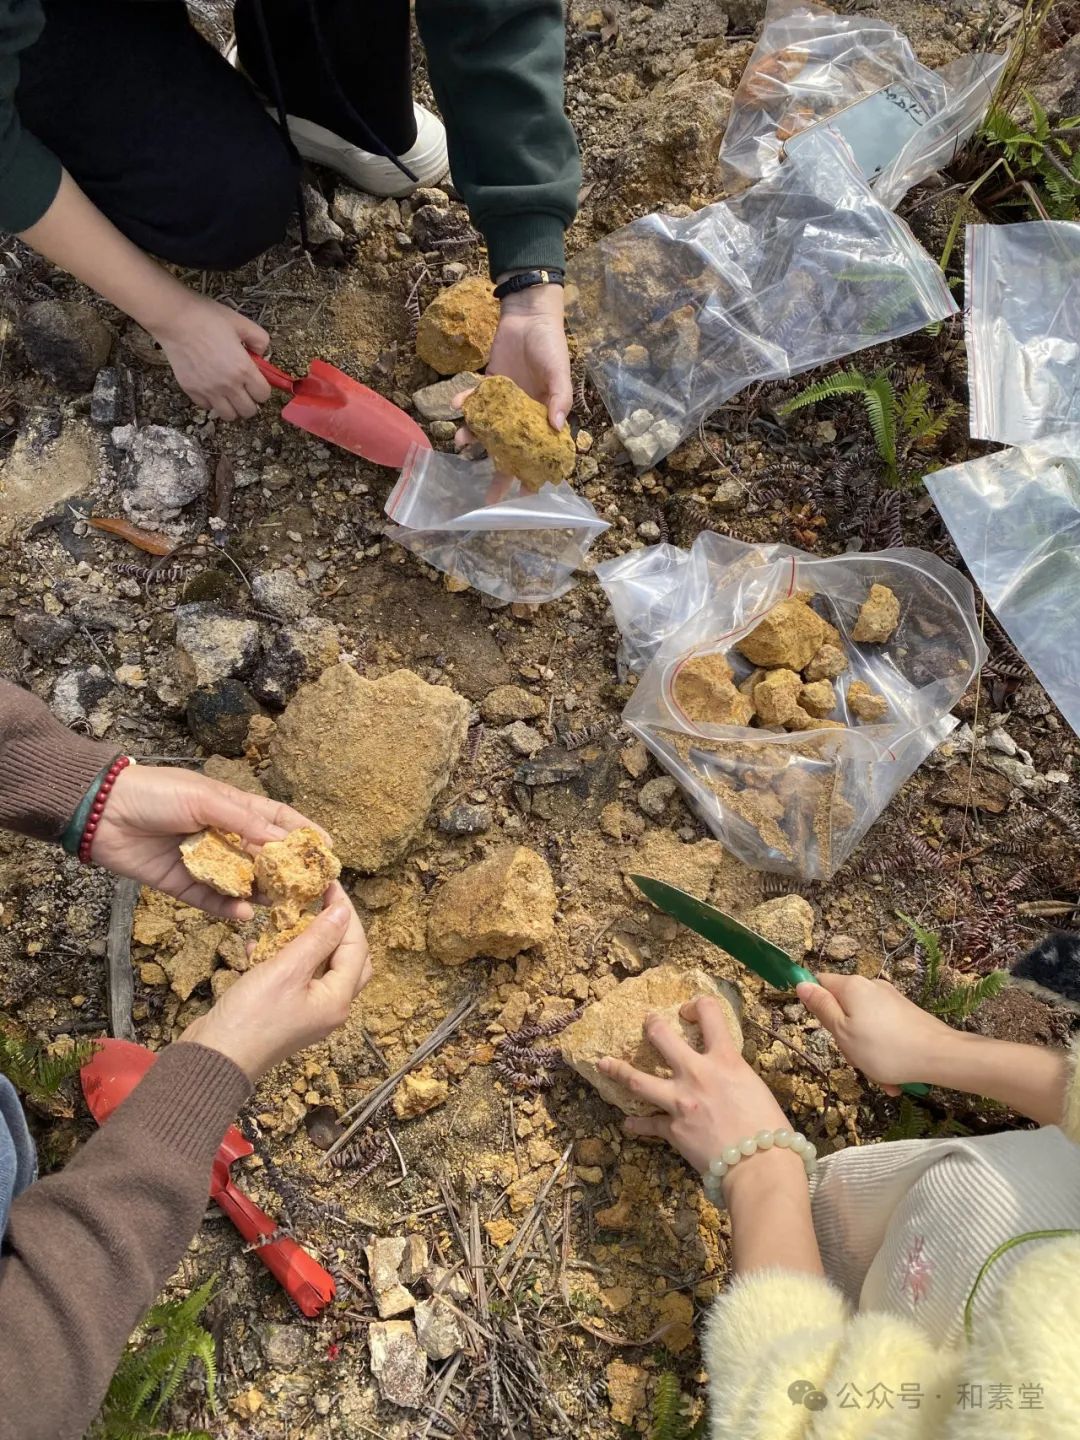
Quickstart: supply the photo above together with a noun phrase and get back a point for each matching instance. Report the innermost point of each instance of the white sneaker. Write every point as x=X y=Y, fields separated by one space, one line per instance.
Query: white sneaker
x=376 y=174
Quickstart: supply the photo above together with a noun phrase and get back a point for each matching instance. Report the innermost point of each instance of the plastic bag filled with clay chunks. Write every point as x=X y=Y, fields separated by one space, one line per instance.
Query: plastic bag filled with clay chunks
x=675 y=316
x=803 y=692
x=860 y=77
x=1023 y=332
x=1015 y=517
x=524 y=546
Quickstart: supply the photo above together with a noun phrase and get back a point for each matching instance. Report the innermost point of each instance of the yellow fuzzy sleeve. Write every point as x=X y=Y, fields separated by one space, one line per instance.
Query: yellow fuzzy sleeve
x=783 y=1352
x=1071 y=1120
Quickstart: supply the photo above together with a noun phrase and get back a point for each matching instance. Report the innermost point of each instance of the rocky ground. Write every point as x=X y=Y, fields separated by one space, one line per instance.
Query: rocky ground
x=501 y=1250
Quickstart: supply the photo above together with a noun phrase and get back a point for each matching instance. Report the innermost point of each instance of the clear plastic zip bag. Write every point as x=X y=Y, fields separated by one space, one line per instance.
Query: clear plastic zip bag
x=1023 y=332
x=1015 y=517
x=675 y=316
x=799 y=803
x=523 y=547
x=860 y=75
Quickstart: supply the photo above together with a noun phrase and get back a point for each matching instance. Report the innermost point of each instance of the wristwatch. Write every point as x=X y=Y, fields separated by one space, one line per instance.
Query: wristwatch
x=527 y=279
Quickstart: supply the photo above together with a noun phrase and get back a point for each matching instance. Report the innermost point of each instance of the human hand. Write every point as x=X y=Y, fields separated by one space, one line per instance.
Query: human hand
x=290 y=1001
x=151 y=808
x=206 y=344
x=530 y=348
x=879 y=1031
x=713 y=1098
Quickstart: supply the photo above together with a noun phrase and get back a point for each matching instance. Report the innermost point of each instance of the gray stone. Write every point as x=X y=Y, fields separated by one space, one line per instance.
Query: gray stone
x=510 y=702
x=45 y=635
x=466 y=820
x=320 y=226
x=524 y=740
x=66 y=341
x=219 y=715
x=296 y=655
x=85 y=697
x=655 y=796
x=436 y=402
x=398 y=1363
x=281 y=593
x=437 y=227
x=282 y=1345
x=385 y=1256
x=214 y=644
x=113 y=400
x=438 y=1329
x=352 y=211
x=162 y=471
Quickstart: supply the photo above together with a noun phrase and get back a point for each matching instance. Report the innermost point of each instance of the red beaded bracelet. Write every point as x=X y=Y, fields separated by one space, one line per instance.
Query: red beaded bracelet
x=98 y=808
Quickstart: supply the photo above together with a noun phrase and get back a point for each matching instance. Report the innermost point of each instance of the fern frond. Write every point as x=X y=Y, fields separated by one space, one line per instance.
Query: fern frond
x=666 y=1408
x=848 y=382
x=930 y=946
x=880 y=401
x=966 y=999
x=35 y=1072
x=913 y=405
x=913 y=1122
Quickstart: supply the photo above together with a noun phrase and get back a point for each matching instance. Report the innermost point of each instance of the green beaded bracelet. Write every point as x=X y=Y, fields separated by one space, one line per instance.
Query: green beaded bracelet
x=77 y=824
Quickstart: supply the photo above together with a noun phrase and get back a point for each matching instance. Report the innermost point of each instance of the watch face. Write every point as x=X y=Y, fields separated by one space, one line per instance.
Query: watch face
x=876 y=128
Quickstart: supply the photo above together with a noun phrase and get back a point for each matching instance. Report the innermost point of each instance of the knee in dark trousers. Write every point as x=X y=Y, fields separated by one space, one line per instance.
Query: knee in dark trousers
x=163 y=135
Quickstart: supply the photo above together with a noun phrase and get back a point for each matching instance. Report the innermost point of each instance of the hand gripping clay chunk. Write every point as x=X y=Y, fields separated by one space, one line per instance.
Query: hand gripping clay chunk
x=515 y=431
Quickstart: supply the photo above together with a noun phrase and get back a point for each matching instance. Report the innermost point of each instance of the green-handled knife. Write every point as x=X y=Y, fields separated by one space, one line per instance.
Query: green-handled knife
x=775 y=966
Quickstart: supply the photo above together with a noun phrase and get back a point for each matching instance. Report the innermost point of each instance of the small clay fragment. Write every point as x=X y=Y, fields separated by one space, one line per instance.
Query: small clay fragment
x=706 y=694
x=220 y=861
x=777 y=696
x=273 y=939
x=790 y=635
x=801 y=719
x=515 y=431
x=294 y=872
x=818 y=699
x=865 y=703
x=829 y=662
x=878 y=618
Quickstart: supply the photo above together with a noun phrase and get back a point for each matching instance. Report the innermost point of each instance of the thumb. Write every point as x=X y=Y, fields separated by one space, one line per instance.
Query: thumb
x=252 y=335
x=821 y=1004
x=562 y=400
x=319 y=941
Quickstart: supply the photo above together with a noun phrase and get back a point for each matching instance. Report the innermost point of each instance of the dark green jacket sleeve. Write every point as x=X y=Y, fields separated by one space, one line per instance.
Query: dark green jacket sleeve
x=496 y=68
x=29 y=174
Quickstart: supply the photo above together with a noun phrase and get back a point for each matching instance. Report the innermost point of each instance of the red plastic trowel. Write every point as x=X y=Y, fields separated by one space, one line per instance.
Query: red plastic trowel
x=335 y=407
x=109 y=1078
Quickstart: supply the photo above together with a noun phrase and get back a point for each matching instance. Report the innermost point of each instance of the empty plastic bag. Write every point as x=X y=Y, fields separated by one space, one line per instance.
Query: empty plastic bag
x=902 y=120
x=1023 y=332
x=1015 y=517
x=797 y=803
x=524 y=547
x=675 y=316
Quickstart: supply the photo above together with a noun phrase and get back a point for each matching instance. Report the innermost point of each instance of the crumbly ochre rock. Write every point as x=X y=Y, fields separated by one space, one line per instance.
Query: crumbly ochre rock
x=294 y=872
x=515 y=431
x=220 y=861
x=705 y=692
x=818 y=698
x=788 y=921
x=497 y=908
x=829 y=662
x=790 y=635
x=866 y=704
x=614 y=1027
x=878 y=618
x=457 y=329
x=777 y=696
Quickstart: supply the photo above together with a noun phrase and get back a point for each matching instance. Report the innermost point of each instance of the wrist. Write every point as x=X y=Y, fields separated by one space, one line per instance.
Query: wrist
x=206 y=1033
x=168 y=308
x=536 y=300
x=766 y=1173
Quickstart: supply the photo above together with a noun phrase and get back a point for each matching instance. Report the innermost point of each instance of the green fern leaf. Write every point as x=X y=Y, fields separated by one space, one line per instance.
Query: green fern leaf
x=912 y=1123
x=966 y=999
x=930 y=946
x=880 y=401
x=848 y=382
x=666 y=1408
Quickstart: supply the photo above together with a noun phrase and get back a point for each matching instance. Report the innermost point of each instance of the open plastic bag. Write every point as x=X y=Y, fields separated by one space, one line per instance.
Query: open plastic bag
x=1015 y=517
x=674 y=316
x=525 y=547
x=1023 y=332
x=798 y=803
x=811 y=65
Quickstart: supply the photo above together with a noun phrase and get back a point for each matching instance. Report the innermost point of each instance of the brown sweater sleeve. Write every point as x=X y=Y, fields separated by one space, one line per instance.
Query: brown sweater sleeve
x=87 y=1251
x=45 y=769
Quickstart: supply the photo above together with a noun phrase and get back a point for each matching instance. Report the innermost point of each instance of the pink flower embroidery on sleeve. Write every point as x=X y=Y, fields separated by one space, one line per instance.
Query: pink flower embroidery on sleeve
x=917 y=1269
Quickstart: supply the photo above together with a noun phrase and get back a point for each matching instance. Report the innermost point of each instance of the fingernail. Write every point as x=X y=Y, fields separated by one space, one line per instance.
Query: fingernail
x=338 y=913
x=560 y=419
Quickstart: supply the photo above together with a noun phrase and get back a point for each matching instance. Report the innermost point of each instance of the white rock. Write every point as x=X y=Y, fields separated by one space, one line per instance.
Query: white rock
x=438 y=1329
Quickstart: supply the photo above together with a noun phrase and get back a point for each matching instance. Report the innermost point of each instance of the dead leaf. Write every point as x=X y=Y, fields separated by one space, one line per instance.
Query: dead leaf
x=977 y=787
x=224 y=485
x=148 y=540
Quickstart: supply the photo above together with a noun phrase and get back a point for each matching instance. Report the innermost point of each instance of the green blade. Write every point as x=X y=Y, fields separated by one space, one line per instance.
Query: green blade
x=774 y=965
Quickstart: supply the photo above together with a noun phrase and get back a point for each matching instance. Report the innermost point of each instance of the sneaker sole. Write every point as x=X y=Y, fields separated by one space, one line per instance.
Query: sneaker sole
x=375 y=174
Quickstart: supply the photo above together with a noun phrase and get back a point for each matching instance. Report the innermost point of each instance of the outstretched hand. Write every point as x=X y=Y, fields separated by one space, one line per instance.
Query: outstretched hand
x=294 y=999
x=153 y=807
x=713 y=1098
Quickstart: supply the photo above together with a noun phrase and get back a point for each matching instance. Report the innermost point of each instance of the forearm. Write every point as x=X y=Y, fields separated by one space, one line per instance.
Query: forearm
x=1027 y=1078
x=87 y=1250
x=771 y=1226
x=45 y=769
x=75 y=235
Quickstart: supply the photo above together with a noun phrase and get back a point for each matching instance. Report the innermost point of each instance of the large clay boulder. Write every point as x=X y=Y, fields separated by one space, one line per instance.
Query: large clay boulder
x=497 y=908
x=615 y=1025
x=366 y=759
